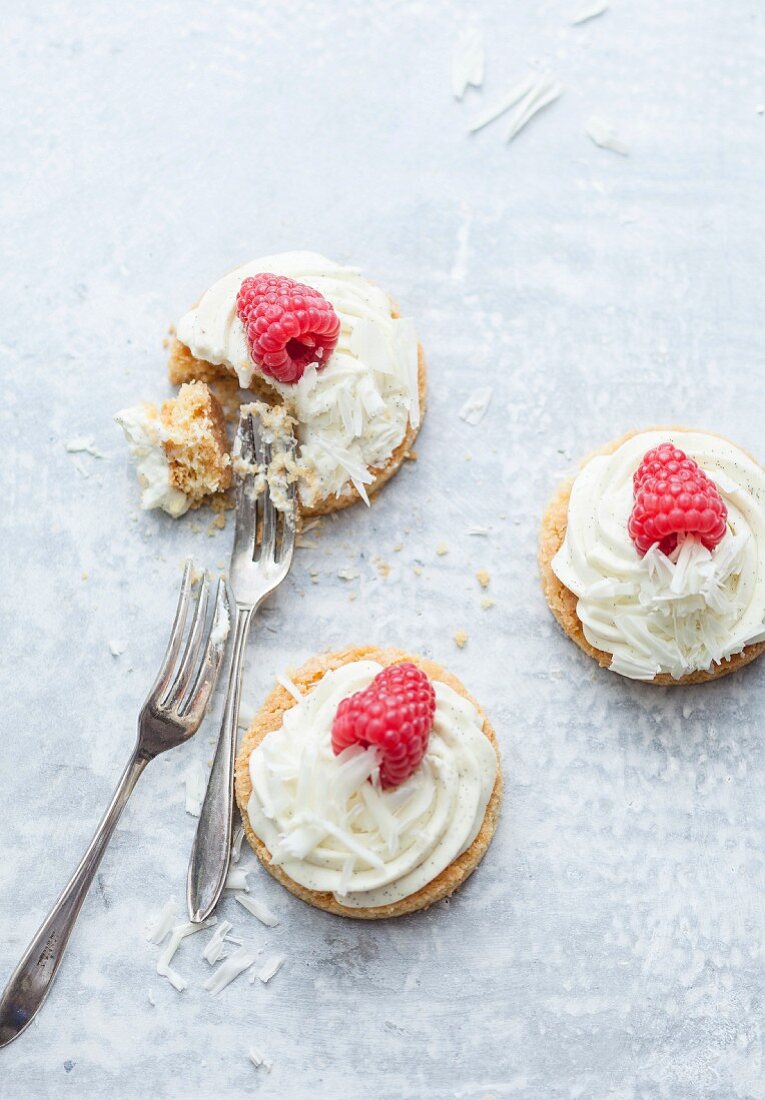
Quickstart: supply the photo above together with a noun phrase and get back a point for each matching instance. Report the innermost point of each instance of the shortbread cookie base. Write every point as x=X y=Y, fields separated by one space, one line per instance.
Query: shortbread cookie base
x=270 y=718
x=183 y=367
x=562 y=601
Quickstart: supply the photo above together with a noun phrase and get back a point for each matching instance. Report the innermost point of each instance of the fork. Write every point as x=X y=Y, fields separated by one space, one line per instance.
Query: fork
x=264 y=540
x=172 y=713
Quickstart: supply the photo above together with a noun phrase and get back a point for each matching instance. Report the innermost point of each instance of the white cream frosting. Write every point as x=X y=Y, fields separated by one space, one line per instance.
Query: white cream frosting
x=656 y=614
x=144 y=434
x=353 y=413
x=328 y=823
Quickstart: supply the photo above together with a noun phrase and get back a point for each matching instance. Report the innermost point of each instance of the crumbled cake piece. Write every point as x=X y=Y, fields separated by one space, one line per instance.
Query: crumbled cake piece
x=483 y=577
x=196 y=443
x=181 y=450
x=460 y=638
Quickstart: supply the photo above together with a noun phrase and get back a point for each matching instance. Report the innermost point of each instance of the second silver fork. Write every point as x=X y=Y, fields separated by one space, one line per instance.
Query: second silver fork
x=264 y=541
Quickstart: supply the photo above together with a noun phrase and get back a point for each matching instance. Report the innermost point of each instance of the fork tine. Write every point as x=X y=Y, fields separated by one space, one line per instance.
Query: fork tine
x=207 y=677
x=176 y=635
x=289 y=521
x=289 y=531
x=269 y=518
x=245 y=533
x=180 y=684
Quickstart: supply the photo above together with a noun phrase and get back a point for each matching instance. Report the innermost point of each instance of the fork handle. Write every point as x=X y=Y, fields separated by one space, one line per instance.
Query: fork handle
x=31 y=980
x=211 y=853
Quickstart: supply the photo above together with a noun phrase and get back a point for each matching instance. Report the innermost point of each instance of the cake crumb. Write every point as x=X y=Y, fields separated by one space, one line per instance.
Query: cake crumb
x=418 y=570
x=382 y=567
x=442 y=549
x=487 y=602
x=410 y=456
x=216 y=525
x=460 y=637
x=398 y=548
x=483 y=577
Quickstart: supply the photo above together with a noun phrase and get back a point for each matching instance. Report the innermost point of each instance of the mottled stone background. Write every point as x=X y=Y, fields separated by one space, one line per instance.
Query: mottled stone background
x=611 y=945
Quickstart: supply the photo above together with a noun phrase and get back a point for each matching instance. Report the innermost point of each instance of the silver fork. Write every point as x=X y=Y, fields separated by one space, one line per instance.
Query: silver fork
x=173 y=711
x=263 y=544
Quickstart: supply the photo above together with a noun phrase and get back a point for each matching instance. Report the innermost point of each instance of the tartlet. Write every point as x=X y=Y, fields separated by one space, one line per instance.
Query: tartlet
x=364 y=405
x=575 y=572
x=361 y=661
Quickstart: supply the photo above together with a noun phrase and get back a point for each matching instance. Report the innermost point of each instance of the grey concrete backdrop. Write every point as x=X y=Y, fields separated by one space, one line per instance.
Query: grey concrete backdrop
x=611 y=945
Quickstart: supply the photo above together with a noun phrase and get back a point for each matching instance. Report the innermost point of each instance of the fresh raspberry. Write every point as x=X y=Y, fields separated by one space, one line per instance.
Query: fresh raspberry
x=673 y=496
x=288 y=325
x=395 y=713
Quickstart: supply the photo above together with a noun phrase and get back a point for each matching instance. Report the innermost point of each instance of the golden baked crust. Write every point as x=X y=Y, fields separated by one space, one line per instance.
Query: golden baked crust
x=196 y=443
x=270 y=718
x=562 y=601
x=183 y=366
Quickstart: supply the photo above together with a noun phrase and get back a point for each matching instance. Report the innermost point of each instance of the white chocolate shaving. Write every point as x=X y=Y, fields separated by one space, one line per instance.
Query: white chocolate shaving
x=179 y=933
x=159 y=925
x=604 y=135
x=195 y=779
x=474 y=409
x=258 y=909
x=83 y=445
x=271 y=968
x=509 y=99
x=545 y=91
x=236 y=879
x=259 y=1059
x=215 y=948
x=290 y=686
x=467 y=62
x=591 y=11
x=236 y=844
x=228 y=970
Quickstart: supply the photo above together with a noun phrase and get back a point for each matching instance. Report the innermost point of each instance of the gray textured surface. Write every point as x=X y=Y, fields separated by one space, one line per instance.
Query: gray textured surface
x=612 y=942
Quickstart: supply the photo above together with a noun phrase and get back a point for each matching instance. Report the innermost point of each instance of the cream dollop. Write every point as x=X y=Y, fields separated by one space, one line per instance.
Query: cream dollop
x=659 y=614
x=144 y=434
x=351 y=414
x=328 y=823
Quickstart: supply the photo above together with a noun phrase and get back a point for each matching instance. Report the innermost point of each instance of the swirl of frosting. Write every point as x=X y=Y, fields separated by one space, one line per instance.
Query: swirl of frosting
x=352 y=413
x=659 y=614
x=331 y=829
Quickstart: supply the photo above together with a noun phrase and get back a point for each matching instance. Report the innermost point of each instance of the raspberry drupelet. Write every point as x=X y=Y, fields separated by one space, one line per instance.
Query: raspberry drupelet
x=288 y=325
x=673 y=497
x=395 y=714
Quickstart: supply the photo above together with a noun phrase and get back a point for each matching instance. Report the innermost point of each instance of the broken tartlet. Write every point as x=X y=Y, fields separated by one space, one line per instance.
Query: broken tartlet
x=320 y=340
x=181 y=449
x=369 y=783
